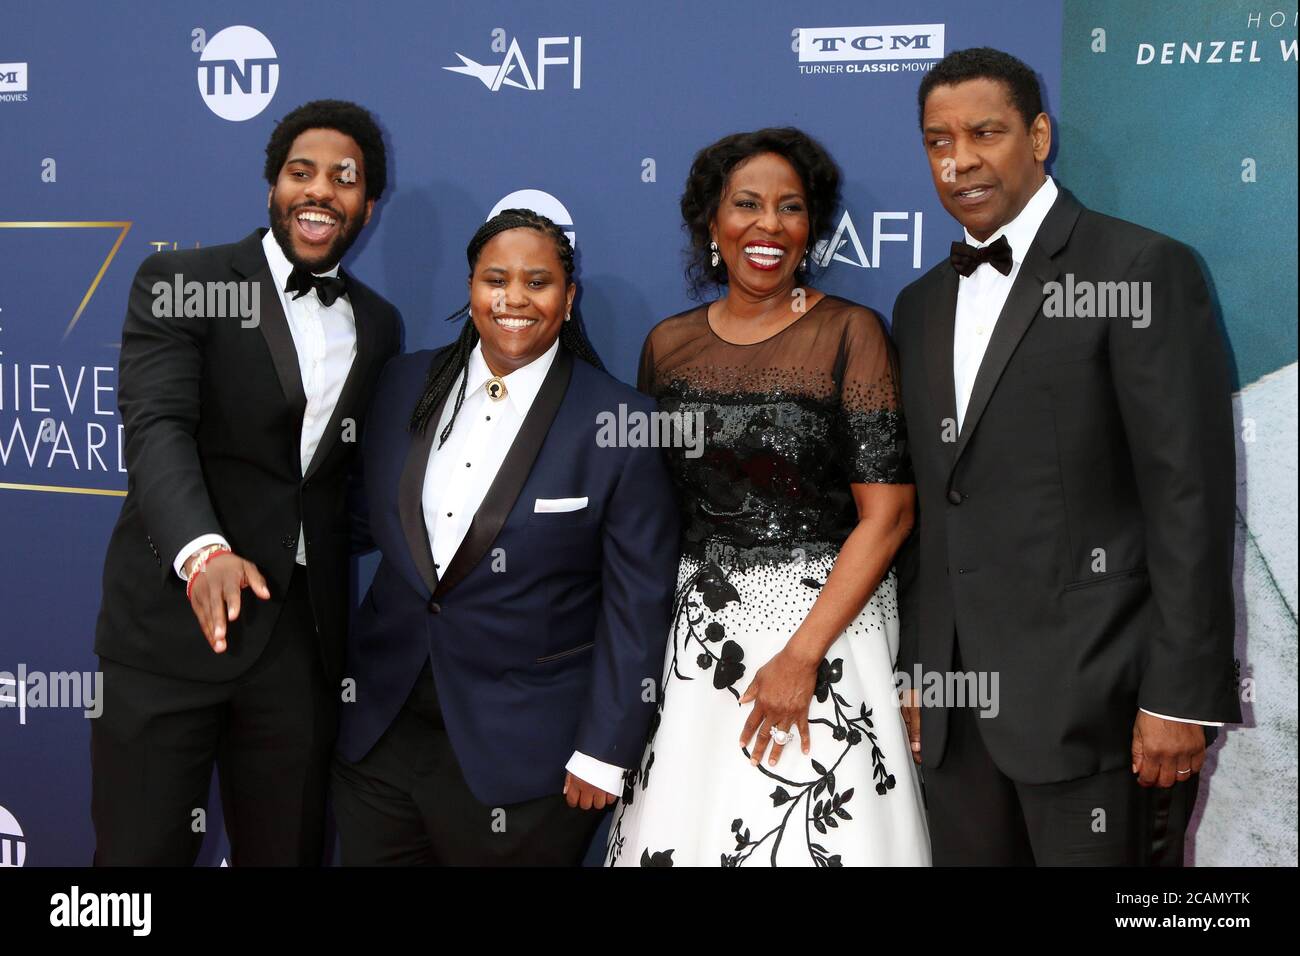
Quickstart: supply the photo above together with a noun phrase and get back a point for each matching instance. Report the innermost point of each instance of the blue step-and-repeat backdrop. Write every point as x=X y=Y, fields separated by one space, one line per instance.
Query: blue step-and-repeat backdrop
x=129 y=128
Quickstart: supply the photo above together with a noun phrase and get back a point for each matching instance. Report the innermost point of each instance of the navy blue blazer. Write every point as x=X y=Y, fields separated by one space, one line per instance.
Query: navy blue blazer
x=546 y=629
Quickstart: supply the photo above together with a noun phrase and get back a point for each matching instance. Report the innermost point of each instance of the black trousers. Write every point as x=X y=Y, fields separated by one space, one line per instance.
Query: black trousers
x=406 y=803
x=270 y=733
x=980 y=817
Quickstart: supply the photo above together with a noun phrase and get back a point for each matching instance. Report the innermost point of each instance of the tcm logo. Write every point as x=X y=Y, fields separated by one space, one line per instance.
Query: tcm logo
x=13 y=77
x=238 y=73
x=13 y=847
x=543 y=203
x=513 y=70
x=846 y=244
x=916 y=41
x=13 y=82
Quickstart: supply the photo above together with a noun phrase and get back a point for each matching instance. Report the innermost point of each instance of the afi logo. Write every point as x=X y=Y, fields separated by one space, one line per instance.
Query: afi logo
x=513 y=70
x=916 y=41
x=846 y=245
x=238 y=73
x=13 y=77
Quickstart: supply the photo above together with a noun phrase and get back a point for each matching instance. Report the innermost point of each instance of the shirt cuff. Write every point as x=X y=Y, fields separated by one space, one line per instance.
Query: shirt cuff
x=1183 y=720
x=596 y=772
x=202 y=541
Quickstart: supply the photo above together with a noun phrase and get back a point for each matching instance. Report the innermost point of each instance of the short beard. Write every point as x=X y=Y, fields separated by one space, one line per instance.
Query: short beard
x=333 y=255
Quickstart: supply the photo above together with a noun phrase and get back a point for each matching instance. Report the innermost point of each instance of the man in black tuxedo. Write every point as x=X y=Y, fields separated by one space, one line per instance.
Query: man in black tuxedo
x=241 y=423
x=1067 y=395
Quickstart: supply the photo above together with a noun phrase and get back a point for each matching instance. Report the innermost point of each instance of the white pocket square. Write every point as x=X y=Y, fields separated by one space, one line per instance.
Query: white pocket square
x=557 y=505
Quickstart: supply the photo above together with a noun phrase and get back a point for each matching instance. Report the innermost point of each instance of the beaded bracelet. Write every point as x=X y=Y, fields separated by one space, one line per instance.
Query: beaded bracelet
x=201 y=562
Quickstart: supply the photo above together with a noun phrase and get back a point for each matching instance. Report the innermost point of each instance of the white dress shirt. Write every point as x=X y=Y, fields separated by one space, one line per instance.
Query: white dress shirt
x=325 y=340
x=459 y=474
x=980 y=298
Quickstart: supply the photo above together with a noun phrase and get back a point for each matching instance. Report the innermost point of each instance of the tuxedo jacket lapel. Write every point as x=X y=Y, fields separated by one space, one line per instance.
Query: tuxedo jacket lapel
x=1023 y=304
x=942 y=308
x=357 y=374
x=514 y=471
x=250 y=262
x=410 y=499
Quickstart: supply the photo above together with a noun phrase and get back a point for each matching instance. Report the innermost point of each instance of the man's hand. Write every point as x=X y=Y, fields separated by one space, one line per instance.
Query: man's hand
x=1161 y=748
x=216 y=592
x=909 y=704
x=579 y=793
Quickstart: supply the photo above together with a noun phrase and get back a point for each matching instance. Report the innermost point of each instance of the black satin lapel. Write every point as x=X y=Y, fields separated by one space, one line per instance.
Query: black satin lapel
x=940 y=320
x=279 y=339
x=514 y=471
x=1022 y=305
x=410 y=500
x=357 y=374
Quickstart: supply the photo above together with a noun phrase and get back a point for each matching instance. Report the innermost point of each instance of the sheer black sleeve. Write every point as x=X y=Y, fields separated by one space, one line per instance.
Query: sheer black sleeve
x=645 y=376
x=870 y=421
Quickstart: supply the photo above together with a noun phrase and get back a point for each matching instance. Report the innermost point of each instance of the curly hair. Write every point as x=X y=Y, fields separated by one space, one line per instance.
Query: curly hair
x=984 y=62
x=347 y=118
x=708 y=178
x=455 y=363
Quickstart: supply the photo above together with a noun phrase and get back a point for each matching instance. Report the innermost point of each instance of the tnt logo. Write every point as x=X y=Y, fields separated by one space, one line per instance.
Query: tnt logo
x=238 y=73
x=13 y=847
x=543 y=203
x=13 y=77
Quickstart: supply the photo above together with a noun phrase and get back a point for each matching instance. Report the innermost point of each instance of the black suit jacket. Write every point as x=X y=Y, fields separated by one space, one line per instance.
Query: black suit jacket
x=1077 y=536
x=213 y=415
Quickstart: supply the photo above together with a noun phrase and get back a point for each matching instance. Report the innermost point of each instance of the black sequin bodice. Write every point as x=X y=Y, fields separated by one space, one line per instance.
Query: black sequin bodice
x=789 y=424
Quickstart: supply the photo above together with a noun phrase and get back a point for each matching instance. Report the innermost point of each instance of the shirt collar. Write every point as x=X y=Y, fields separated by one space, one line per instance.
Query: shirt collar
x=1020 y=232
x=522 y=385
x=280 y=265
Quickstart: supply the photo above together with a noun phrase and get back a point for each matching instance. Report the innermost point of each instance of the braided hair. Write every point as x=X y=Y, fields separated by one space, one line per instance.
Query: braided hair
x=455 y=363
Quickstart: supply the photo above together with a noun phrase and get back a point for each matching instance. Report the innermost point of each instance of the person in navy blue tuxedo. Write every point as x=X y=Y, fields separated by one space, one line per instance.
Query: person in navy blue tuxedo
x=506 y=655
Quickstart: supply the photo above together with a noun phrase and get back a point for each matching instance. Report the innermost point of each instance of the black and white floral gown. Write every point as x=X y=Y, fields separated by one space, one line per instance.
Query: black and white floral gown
x=789 y=424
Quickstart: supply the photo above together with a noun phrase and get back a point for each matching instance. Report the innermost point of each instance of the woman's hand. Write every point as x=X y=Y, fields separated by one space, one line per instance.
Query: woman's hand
x=783 y=687
x=781 y=691
x=579 y=793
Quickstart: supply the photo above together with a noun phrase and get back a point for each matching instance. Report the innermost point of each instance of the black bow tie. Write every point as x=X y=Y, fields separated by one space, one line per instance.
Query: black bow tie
x=328 y=288
x=966 y=258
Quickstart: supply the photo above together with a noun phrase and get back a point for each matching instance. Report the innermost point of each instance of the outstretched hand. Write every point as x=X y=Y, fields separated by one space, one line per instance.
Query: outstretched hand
x=215 y=594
